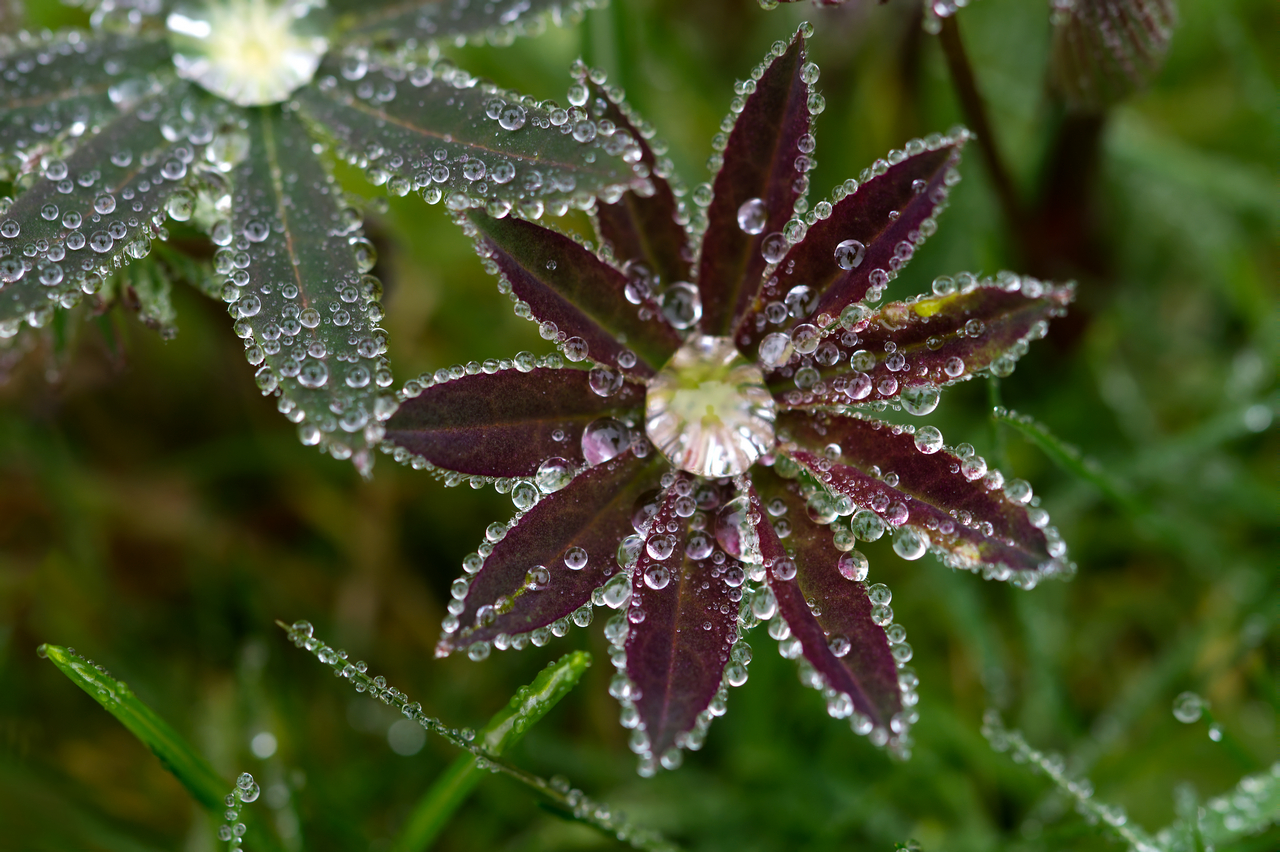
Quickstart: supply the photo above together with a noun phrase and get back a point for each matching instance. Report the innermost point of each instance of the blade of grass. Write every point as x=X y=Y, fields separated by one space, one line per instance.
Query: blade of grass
x=204 y=784
x=115 y=696
x=505 y=729
x=1071 y=459
x=560 y=796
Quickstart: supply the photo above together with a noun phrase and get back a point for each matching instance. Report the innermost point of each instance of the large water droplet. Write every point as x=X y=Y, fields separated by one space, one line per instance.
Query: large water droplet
x=251 y=52
x=605 y=439
x=752 y=216
x=553 y=474
x=682 y=305
x=708 y=410
x=849 y=254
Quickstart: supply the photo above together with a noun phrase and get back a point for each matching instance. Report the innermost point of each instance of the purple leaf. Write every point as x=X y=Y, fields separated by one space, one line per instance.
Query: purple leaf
x=907 y=350
x=757 y=185
x=683 y=623
x=535 y=574
x=509 y=423
x=937 y=498
x=841 y=642
x=869 y=236
x=583 y=296
x=641 y=229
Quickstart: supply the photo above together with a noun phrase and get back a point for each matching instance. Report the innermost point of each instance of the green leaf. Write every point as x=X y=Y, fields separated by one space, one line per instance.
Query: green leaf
x=504 y=730
x=296 y=265
x=195 y=773
x=495 y=21
x=101 y=207
x=440 y=131
x=64 y=87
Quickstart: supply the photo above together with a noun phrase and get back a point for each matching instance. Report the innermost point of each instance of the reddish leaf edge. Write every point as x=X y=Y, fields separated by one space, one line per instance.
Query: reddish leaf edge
x=524 y=361
x=856 y=318
x=1019 y=491
x=889 y=733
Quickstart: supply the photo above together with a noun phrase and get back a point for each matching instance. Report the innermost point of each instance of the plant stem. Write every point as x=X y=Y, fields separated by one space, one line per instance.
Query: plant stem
x=503 y=729
x=975 y=112
x=507 y=727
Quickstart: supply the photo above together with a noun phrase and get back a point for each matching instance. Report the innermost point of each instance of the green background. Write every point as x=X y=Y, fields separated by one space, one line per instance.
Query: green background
x=157 y=514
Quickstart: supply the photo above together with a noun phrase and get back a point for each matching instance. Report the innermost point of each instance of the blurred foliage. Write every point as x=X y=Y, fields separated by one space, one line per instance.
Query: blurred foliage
x=158 y=515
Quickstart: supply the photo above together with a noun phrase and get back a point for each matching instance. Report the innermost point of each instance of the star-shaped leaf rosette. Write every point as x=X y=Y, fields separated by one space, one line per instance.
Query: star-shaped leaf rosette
x=701 y=456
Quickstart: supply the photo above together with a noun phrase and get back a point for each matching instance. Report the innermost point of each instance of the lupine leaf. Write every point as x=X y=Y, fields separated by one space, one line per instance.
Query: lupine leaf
x=1104 y=50
x=641 y=228
x=842 y=643
x=683 y=624
x=583 y=296
x=118 y=699
x=430 y=128
x=452 y=20
x=592 y=512
x=64 y=88
x=307 y=308
x=875 y=229
x=935 y=340
x=507 y=423
x=759 y=164
x=73 y=223
x=933 y=494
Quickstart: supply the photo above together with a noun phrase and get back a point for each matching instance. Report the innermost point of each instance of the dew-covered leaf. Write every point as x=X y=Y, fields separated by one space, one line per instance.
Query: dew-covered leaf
x=63 y=88
x=868 y=237
x=1104 y=50
x=828 y=613
x=754 y=193
x=302 y=300
x=509 y=423
x=455 y=21
x=929 y=497
x=907 y=350
x=580 y=295
x=440 y=131
x=549 y=561
x=683 y=624
x=101 y=207
x=641 y=229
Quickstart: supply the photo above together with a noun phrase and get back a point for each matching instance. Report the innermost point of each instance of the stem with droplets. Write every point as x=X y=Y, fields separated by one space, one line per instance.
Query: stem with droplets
x=569 y=802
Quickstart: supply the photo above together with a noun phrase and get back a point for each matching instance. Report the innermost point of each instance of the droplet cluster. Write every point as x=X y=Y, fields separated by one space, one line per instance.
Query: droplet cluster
x=901 y=355
x=613 y=822
x=488 y=148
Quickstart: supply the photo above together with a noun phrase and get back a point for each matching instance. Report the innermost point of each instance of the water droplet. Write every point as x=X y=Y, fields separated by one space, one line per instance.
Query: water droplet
x=920 y=399
x=928 y=439
x=1188 y=707
x=575 y=558
x=708 y=410
x=774 y=247
x=853 y=566
x=553 y=474
x=605 y=439
x=752 y=216
x=513 y=117
x=251 y=53
x=657 y=577
x=866 y=525
x=682 y=305
x=910 y=542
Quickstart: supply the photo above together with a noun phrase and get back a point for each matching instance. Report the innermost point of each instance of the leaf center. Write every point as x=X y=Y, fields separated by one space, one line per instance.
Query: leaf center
x=708 y=410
